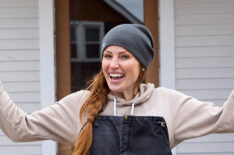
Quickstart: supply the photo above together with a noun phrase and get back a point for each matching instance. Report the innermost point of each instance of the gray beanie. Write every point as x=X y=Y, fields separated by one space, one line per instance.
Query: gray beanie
x=135 y=38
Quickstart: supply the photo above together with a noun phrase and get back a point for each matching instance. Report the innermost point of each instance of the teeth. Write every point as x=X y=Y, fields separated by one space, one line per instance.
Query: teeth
x=116 y=75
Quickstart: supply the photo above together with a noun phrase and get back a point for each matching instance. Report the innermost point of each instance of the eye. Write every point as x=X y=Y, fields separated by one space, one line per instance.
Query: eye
x=125 y=56
x=107 y=55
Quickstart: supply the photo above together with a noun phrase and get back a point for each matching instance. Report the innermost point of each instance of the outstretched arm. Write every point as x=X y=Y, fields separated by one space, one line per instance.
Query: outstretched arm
x=58 y=122
x=193 y=118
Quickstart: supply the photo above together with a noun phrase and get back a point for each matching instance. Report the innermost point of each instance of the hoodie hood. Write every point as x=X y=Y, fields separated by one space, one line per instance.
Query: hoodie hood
x=144 y=93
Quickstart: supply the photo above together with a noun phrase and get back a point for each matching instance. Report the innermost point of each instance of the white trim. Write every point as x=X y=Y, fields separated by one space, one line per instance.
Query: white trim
x=167 y=45
x=47 y=66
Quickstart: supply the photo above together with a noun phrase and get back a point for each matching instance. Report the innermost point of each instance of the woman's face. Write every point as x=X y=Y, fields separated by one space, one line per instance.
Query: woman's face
x=121 y=70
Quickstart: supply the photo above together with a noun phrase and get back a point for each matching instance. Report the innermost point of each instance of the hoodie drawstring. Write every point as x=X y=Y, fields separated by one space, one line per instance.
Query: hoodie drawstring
x=114 y=106
x=132 y=110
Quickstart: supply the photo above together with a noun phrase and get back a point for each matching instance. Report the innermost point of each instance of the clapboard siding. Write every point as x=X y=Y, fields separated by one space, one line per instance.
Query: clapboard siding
x=19 y=55
x=15 y=33
x=205 y=73
x=205 y=62
x=23 y=149
x=21 y=76
x=185 y=52
x=26 y=86
x=193 y=30
x=202 y=2
x=227 y=147
x=19 y=44
x=19 y=23
x=204 y=53
x=19 y=3
x=201 y=8
x=225 y=40
x=23 y=12
x=204 y=19
x=19 y=64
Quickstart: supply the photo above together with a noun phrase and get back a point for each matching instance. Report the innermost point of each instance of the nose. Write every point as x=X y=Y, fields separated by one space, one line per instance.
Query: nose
x=114 y=63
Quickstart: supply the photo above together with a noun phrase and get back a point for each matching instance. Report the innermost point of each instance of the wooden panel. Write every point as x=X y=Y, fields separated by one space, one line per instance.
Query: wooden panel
x=151 y=21
x=63 y=63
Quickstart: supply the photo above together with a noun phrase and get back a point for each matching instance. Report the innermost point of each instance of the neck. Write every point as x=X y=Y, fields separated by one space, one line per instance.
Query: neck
x=127 y=94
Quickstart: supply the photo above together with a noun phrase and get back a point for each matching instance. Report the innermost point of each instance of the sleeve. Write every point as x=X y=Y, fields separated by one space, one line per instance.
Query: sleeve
x=58 y=122
x=193 y=118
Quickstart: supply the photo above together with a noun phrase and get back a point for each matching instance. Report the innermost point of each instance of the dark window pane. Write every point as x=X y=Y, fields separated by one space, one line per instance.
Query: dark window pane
x=92 y=50
x=73 y=34
x=92 y=33
x=74 y=51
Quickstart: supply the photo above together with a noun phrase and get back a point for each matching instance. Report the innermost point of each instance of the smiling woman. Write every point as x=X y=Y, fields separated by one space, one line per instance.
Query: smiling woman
x=119 y=113
x=121 y=71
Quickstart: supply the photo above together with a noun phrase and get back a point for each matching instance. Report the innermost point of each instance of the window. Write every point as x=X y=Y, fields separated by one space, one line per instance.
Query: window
x=86 y=41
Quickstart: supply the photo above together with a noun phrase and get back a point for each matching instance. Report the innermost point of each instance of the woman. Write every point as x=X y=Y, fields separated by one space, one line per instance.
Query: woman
x=121 y=115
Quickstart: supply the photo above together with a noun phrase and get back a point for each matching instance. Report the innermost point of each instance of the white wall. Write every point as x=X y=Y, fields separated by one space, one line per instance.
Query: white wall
x=19 y=63
x=204 y=66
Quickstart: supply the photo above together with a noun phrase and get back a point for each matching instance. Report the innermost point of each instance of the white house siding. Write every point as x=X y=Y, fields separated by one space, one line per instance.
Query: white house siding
x=204 y=51
x=19 y=64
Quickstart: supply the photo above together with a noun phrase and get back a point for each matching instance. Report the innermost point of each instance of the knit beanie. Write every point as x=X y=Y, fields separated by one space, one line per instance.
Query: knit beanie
x=135 y=38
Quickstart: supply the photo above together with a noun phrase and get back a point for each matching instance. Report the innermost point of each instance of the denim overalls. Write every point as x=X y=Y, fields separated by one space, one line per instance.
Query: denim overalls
x=130 y=135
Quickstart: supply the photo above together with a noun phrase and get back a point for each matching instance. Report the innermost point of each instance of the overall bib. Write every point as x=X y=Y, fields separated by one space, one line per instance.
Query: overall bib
x=130 y=135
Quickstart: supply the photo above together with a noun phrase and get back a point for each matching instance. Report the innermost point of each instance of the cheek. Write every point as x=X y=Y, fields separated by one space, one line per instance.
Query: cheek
x=133 y=69
x=104 y=65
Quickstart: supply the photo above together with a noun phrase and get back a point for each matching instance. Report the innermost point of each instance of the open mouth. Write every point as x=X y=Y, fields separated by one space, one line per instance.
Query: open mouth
x=114 y=76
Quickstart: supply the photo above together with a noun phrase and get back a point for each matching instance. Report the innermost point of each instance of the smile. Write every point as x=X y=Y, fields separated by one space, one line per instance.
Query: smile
x=116 y=75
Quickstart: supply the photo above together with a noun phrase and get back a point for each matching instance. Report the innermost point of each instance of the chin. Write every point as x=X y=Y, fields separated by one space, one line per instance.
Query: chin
x=115 y=89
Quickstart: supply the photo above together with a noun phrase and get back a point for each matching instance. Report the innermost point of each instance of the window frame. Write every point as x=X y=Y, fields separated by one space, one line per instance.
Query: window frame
x=80 y=27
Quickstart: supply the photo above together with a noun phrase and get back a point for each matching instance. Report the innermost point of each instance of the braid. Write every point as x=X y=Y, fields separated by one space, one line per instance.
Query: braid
x=93 y=105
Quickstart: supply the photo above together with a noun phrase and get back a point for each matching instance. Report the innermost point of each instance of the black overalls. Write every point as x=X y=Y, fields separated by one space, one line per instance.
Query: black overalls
x=130 y=135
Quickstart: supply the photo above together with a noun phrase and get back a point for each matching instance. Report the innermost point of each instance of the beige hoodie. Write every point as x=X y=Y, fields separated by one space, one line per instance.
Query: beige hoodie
x=186 y=117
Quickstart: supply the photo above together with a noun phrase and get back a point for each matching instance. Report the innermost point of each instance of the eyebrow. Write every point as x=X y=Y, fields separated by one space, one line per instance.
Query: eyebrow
x=121 y=52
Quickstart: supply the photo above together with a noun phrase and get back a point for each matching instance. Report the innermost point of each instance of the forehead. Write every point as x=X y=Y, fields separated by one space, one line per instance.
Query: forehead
x=116 y=49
